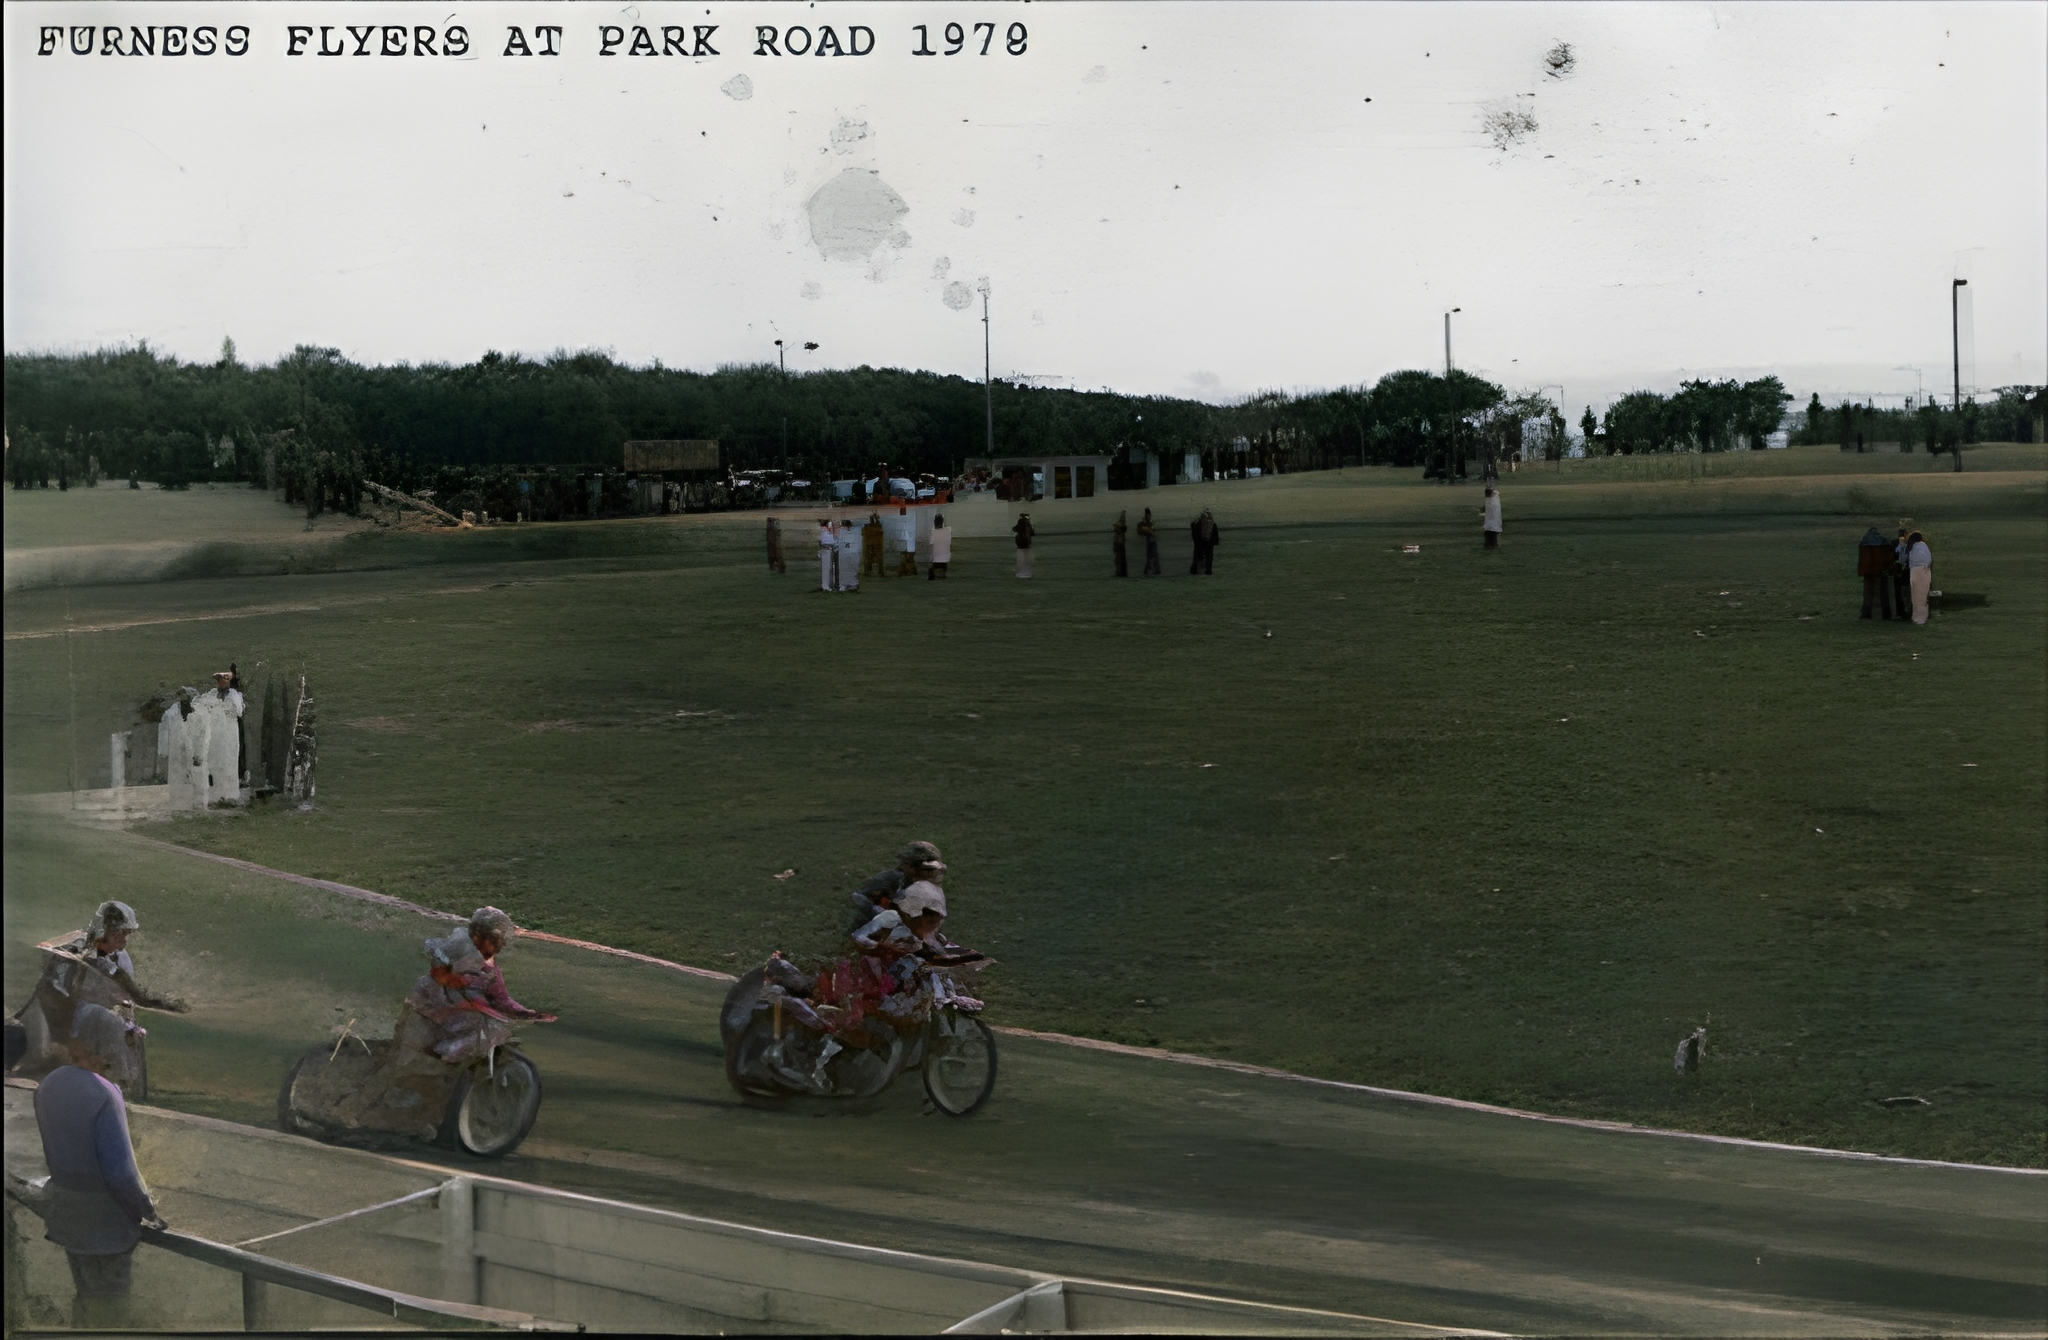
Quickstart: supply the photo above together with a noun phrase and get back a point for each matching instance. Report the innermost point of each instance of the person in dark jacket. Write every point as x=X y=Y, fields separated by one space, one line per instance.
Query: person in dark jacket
x=1874 y=558
x=1024 y=531
x=1207 y=537
x=1149 y=533
x=98 y=1204
x=1116 y=544
x=918 y=861
x=1901 y=576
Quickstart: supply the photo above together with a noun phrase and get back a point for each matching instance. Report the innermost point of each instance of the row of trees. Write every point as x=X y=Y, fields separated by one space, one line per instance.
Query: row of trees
x=1701 y=416
x=315 y=422
x=2013 y=416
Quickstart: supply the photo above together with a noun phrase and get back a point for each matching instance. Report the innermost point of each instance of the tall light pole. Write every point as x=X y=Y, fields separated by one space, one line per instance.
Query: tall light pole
x=1955 y=331
x=988 y=397
x=782 y=363
x=1451 y=461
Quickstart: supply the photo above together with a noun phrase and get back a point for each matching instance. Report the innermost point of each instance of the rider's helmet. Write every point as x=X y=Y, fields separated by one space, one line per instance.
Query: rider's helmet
x=922 y=855
x=112 y=915
x=492 y=922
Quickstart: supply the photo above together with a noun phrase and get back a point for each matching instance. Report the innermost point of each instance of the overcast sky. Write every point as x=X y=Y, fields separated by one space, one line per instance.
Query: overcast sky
x=1193 y=199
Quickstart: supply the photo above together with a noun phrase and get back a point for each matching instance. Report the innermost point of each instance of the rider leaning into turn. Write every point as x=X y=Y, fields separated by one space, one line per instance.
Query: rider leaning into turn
x=104 y=946
x=918 y=861
x=461 y=1008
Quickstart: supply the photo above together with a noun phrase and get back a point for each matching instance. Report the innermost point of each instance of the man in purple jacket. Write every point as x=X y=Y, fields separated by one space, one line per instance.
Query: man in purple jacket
x=98 y=1204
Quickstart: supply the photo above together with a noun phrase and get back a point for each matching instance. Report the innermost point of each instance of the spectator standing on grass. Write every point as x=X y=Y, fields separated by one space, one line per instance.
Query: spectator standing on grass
x=942 y=549
x=871 y=543
x=1900 y=577
x=1920 y=563
x=98 y=1203
x=1024 y=531
x=1116 y=544
x=775 y=563
x=1149 y=533
x=850 y=541
x=828 y=556
x=1489 y=519
x=1206 y=536
x=1874 y=558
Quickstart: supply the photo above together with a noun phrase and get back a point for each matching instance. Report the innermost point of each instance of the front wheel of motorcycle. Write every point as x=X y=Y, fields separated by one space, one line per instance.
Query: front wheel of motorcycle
x=959 y=1062
x=493 y=1108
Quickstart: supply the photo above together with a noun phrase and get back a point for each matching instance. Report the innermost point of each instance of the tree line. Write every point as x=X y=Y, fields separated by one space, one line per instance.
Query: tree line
x=316 y=424
x=2012 y=416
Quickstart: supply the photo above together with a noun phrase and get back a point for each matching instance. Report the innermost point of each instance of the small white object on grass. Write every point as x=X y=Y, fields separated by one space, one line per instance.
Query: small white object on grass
x=1820 y=830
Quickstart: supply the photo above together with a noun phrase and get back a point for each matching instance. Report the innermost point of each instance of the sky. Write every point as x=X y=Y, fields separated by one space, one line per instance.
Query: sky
x=1185 y=199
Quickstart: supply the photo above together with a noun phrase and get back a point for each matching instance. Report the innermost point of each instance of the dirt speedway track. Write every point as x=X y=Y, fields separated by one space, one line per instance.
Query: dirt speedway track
x=1092 y=1162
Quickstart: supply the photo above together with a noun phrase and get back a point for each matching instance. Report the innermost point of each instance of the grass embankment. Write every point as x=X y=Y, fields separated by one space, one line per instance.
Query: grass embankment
x=1497 y=825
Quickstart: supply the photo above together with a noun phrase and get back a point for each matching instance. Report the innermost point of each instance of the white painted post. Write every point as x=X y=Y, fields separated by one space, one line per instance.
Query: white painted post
x=117 y=757
x=459 y=1274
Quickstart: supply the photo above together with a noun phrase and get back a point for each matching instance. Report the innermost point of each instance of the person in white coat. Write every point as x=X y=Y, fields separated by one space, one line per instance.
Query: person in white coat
x=1920 y=570
x=942 y=549
x=1490 y=518
x=219 y=713
x=849 y=556
x=186 y=780
x=828 y=556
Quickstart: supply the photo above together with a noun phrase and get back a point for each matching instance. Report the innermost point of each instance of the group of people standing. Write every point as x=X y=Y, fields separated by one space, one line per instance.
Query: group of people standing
x=1203 y=531
x=848 y=552
x=1899 y=569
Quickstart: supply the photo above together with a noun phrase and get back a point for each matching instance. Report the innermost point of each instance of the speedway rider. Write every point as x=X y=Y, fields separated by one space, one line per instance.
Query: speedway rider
x=460 y=1007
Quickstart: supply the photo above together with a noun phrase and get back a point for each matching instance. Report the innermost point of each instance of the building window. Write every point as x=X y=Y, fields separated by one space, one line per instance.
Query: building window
x=1062 y=481
x=1084 y=481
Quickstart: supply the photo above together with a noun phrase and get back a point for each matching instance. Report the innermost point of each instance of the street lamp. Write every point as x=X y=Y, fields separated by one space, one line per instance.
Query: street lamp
x=783 y=363
x=988 y=401
x=1955 y=330
x=1450 y=464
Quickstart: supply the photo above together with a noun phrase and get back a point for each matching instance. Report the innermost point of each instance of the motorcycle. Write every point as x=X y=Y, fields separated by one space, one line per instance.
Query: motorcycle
x=780 y=1045
x=484 y=1105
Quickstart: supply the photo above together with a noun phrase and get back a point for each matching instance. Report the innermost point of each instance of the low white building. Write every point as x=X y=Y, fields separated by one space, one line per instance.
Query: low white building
x=1047 y=478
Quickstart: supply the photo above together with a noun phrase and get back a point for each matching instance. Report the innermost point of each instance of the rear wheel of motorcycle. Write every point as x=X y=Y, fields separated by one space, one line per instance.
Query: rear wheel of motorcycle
x=490 y=1113
x=959 y=1063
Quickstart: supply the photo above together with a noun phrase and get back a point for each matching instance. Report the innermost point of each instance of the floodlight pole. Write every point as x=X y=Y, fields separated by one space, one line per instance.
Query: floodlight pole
x=1955 y=332
x=1450 y=464
x=783 y=363
x=988 y=399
